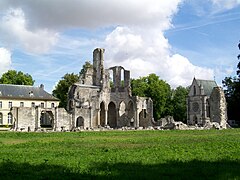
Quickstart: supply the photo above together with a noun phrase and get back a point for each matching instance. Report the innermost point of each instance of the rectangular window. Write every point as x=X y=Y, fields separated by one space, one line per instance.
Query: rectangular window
x=9 y=104
x=0 y=104
x=21 y=104
x=1 y=118
x=33 y=104
x=52 y=105
x=42 y=105
x=9 y=118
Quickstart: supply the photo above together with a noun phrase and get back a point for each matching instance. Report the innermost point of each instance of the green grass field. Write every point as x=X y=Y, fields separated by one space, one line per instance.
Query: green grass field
x=212 y=154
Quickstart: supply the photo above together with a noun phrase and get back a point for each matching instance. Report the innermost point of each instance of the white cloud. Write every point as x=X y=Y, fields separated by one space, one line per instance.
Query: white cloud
x=13 y=27
x=145 y=52
x=225 y=4
x=5 y=60
x=137 y=43
x=94 y=13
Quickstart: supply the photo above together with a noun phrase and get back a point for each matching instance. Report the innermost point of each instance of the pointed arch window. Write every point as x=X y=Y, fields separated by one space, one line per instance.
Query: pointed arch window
x=194 y=90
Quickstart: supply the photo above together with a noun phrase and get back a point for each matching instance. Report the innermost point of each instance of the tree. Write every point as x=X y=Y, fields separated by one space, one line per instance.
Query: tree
x=158 y=90
x=232 y=93
x=179 y=104
x=64 y=84
x=16 y=77
x=62 y=88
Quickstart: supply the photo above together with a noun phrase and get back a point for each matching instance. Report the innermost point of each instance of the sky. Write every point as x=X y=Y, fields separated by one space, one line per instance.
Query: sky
x=175 y=39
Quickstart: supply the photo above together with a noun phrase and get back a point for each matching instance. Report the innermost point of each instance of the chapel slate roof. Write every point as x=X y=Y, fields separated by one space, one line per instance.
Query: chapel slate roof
x=24 y=92
x=207 y=85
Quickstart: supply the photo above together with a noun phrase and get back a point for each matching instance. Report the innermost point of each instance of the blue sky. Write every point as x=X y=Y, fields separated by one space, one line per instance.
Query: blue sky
x=176 y=39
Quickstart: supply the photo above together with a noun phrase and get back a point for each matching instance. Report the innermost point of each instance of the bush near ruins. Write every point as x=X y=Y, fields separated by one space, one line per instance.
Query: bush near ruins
x=121 y=155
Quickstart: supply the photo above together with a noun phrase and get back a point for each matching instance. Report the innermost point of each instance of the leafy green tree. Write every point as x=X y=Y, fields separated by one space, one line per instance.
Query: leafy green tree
x=232 y=93
x=179 y=104
x=62 y=88
x=157 y=89
x=16 y=77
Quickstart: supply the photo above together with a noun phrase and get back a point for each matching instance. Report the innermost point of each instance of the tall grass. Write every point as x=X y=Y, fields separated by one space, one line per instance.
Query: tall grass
x=121 y=155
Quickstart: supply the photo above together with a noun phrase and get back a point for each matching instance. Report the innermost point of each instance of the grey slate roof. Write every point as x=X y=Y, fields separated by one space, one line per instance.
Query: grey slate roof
x=24 y=92
x=207 y=85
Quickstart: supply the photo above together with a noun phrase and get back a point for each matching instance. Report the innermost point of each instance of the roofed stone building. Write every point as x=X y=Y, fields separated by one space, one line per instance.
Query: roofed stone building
x=103 y=97
x=206 y=103
x=16 y=97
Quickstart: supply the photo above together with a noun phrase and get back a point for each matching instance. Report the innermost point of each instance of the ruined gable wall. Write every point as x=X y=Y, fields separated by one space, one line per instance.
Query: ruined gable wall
x=218 y=107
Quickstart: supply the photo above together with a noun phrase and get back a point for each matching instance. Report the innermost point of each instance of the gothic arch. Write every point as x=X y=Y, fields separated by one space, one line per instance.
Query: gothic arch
x=112 y=115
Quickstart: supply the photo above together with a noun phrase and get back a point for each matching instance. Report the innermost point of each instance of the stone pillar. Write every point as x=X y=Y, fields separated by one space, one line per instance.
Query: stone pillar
x=106 y=117
x=137 y=118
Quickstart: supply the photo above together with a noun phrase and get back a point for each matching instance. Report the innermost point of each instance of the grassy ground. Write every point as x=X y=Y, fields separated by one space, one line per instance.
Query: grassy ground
x=121 y=155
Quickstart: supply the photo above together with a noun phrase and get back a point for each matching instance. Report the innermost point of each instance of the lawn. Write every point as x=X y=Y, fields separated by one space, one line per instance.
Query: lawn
x=199 y=154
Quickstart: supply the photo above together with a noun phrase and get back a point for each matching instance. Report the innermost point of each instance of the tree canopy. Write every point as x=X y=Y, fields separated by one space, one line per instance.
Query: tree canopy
x=16 y=77
x=62 y=87
x=232 y=93
x=165 y=101
x=158 y=90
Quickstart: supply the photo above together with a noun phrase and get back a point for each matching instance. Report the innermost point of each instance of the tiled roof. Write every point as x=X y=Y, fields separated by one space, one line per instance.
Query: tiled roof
x=24 y=92
x=207 y=85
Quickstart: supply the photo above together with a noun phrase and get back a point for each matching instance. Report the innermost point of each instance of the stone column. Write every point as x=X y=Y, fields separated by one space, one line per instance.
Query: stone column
x=106 y=117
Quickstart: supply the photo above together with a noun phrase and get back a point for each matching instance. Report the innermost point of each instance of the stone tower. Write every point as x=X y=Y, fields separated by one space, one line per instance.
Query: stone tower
x=98 y=68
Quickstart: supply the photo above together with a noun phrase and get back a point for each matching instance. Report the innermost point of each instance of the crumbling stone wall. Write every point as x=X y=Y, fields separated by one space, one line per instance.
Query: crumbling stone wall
x=218 y=107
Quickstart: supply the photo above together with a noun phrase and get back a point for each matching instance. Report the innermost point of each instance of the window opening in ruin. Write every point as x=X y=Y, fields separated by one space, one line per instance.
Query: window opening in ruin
x=122 y=108
x=112 y=115
x=9 y=118
x=1 y=118
x=144 y=113
x=46 y=119
x=80 y=122
x=122 y=78
x=111 y=84
x=194 y=90
x=208 y=108
x=102 y=114
x=130 y=113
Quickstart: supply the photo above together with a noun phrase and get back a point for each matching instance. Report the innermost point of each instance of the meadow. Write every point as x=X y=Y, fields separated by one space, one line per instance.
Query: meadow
x=199 y=154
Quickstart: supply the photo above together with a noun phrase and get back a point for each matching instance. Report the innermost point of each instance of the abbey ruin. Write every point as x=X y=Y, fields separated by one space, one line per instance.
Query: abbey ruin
x=102 y=99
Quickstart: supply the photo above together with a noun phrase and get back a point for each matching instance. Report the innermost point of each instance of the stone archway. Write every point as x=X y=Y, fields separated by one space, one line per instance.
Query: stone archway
x=130 y=113
x=80 y=122
x=112 y=115
x=46 y=119
x=102 y=114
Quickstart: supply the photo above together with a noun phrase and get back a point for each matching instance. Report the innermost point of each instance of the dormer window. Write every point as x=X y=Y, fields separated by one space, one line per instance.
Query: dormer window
x=30 y=93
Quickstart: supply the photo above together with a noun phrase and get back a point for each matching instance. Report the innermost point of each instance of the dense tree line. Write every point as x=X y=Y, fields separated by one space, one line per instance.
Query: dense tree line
x=16 y=77
x=165 y=100
x=232 y=93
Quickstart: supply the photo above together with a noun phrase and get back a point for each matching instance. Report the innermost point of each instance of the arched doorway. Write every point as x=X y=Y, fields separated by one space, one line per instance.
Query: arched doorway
x=130 y=113
x=46 y=119
x=80 y=122
x=112 y=115
x=102 y=114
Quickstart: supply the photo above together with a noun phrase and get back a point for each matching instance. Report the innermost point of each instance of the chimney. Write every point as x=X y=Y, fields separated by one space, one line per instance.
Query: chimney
x=42 y=86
